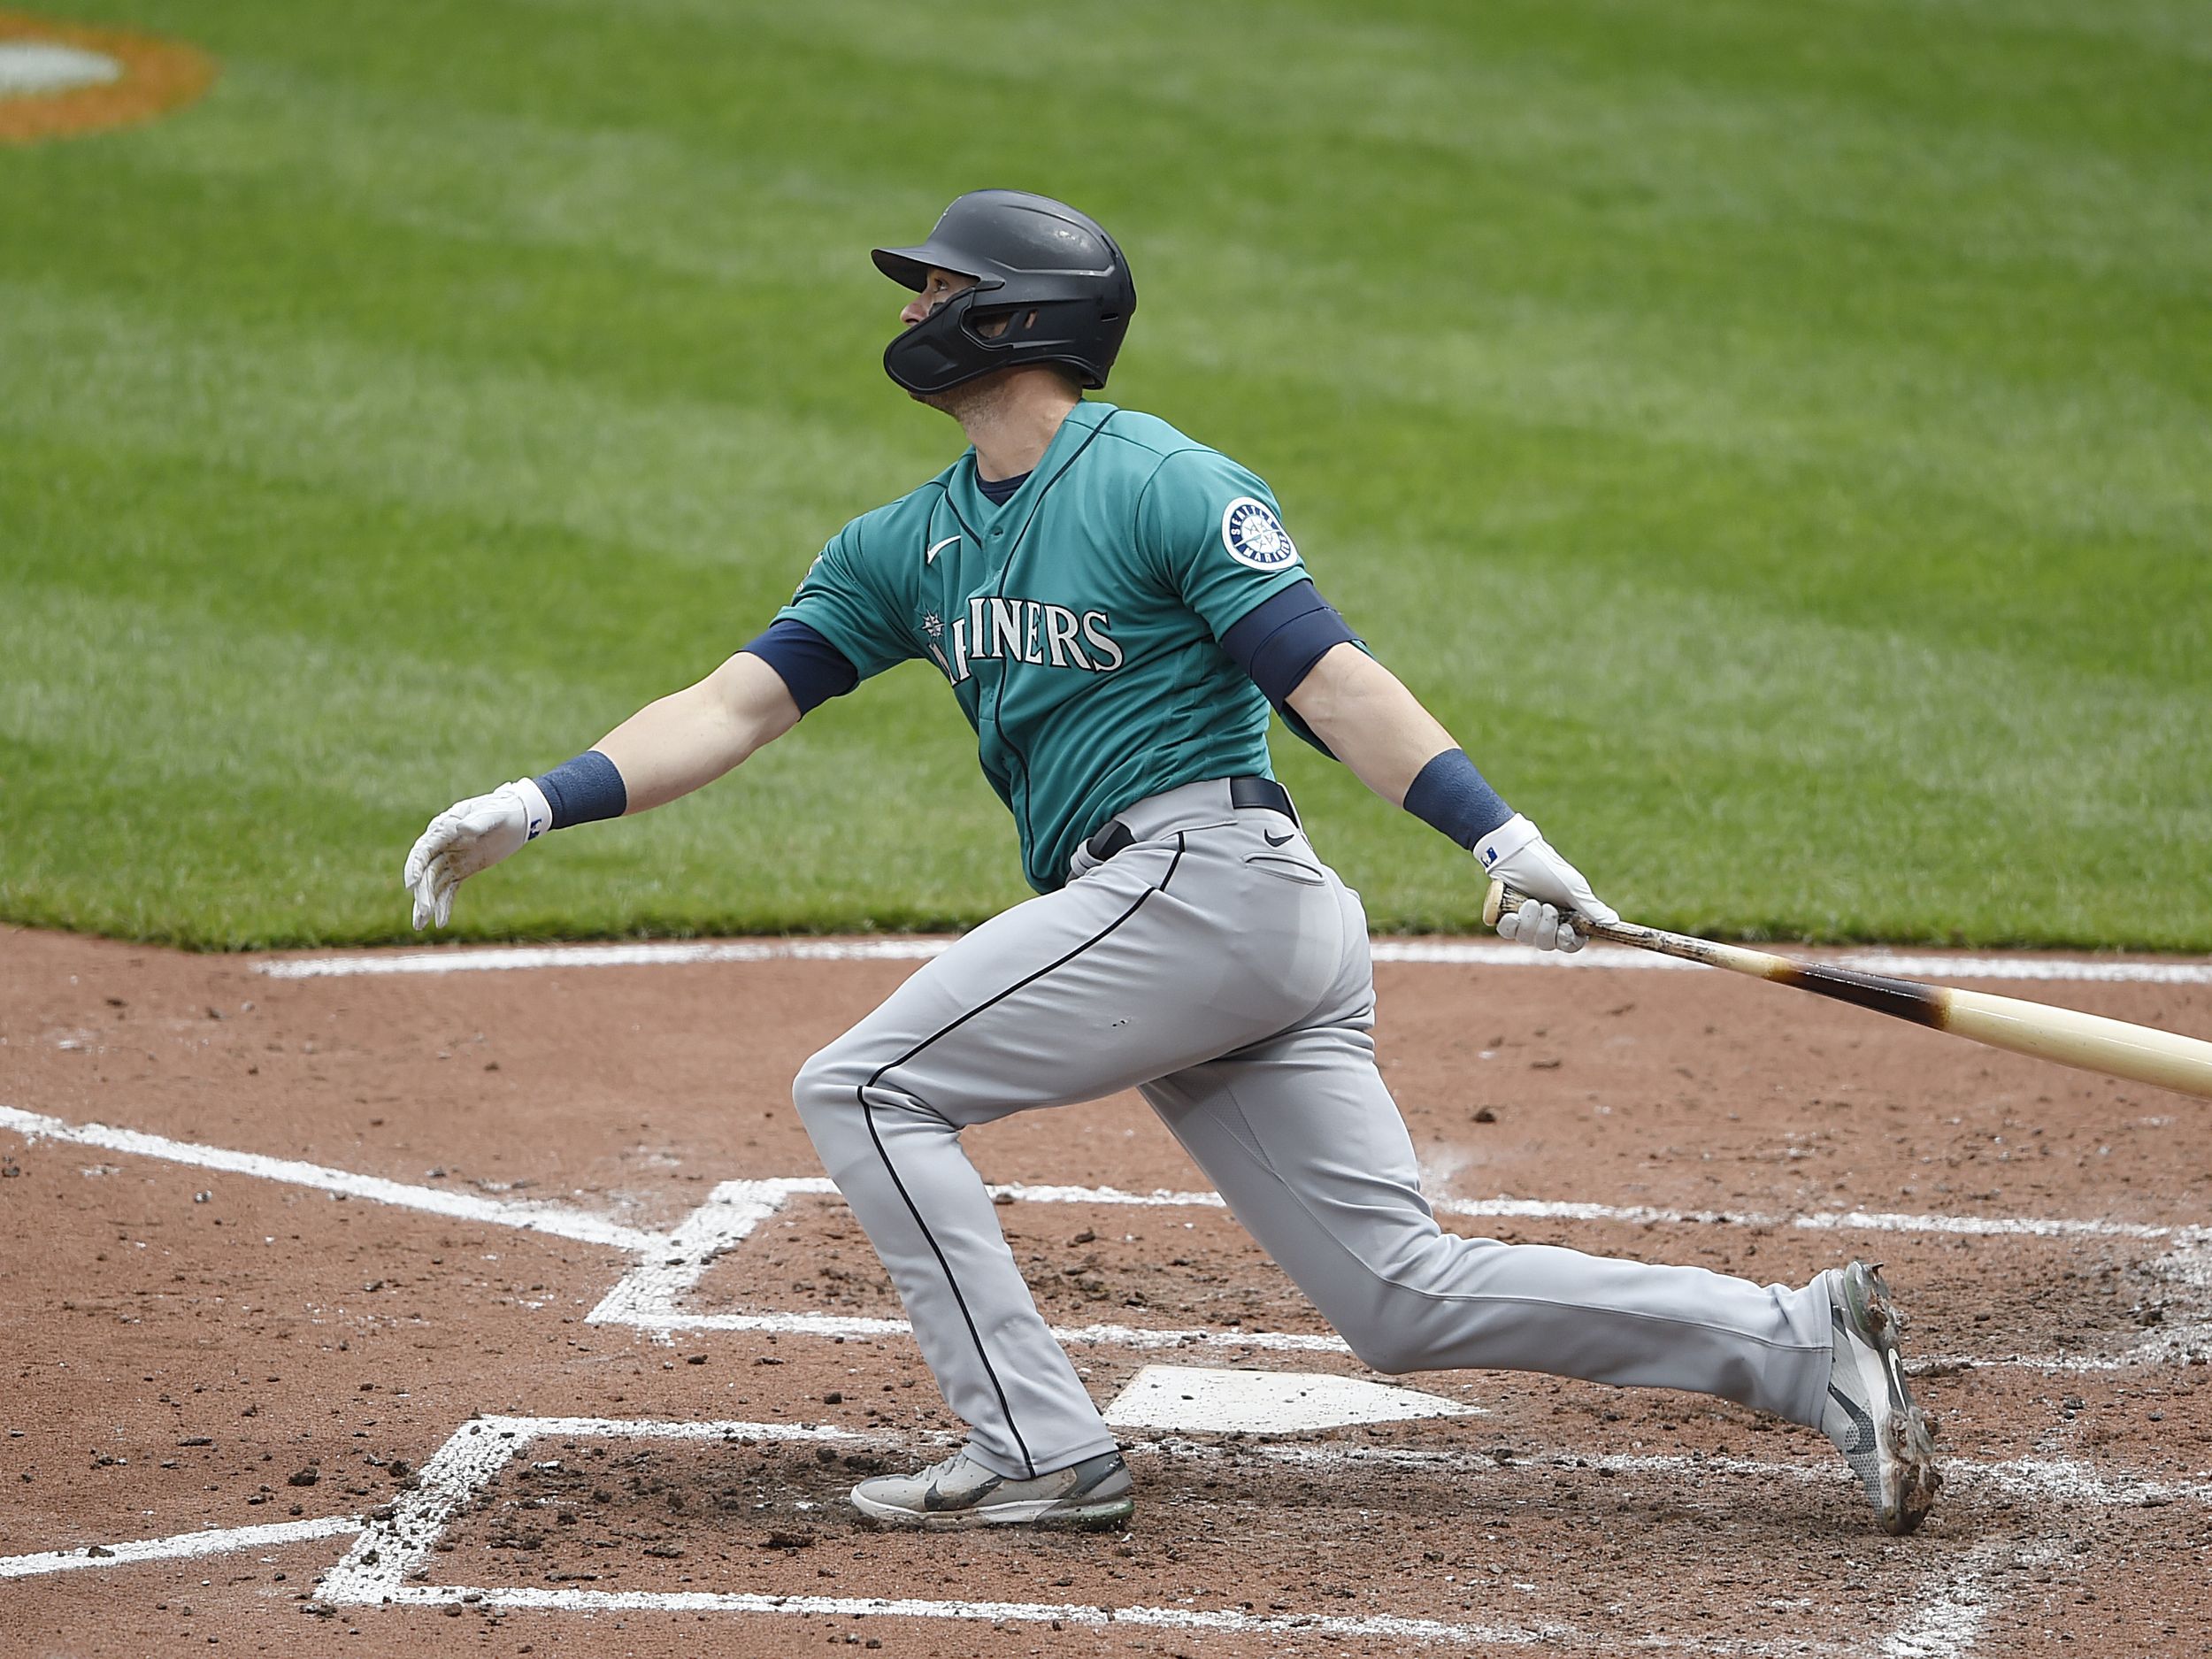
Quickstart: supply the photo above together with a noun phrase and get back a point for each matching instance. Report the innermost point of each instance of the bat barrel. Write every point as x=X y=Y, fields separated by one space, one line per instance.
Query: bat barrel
x=2142 y=1053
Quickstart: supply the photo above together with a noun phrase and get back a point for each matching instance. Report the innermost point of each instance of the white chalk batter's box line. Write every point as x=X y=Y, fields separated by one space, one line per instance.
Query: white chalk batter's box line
x=385 y=1565
x=1449 y=952
x=649 y=1296
x=381 y=1567
x=673 y=1262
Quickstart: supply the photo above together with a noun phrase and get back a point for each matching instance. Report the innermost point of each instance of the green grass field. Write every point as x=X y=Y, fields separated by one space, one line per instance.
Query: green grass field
x=1777 y=440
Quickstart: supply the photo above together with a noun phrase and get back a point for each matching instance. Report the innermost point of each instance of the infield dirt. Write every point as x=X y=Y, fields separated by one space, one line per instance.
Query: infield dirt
x=195 y=1350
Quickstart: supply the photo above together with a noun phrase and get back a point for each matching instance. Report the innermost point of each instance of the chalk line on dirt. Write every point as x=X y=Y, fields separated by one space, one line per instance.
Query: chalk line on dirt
x=1136 y=1338
x=562 y=1223
x=1949 y=1618
x=389 y=1549
x=179 y=1547
x=1230 y=1621
x=647 y=1296
x=377 y=1572
x=2063 y=1478
x=1461 y=952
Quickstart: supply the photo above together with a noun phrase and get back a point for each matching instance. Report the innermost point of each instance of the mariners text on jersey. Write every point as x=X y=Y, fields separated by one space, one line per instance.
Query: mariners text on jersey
x=1077 y=622
x=1023 y=631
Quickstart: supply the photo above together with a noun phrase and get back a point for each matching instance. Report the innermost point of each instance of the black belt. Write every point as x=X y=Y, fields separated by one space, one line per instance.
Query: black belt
x=1114 y=836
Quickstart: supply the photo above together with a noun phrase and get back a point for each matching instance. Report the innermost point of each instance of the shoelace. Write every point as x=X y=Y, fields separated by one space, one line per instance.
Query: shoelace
x=936 y=1473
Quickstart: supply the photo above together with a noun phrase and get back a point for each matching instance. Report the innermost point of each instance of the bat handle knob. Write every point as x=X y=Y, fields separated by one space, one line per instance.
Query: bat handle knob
x=1503 y=900
x=1500 y=899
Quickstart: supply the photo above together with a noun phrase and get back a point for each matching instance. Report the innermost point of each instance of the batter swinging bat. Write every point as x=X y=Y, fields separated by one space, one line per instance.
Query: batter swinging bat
x=2088 y=1040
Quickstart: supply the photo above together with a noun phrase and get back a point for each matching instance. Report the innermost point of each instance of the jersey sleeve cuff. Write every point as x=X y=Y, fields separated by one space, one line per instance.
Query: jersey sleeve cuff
x=810 y=667
x=1280 y=640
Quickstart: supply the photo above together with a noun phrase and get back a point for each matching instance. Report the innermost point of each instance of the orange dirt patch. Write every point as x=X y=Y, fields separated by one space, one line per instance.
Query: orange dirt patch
x=157 y=76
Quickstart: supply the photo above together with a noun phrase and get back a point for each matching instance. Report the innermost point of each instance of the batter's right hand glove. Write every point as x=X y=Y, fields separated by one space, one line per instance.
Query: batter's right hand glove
x=468 y=837
x=1516 y=854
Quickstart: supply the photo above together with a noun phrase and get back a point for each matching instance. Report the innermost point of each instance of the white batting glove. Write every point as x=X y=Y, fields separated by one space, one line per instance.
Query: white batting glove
x=468 y=837
x=1516 y=854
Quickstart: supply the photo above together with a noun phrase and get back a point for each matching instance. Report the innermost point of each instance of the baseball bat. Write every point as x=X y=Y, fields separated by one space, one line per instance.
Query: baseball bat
x=2115 y=1047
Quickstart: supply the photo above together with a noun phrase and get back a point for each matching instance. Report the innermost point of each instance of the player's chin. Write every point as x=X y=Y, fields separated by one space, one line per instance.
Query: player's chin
x=943 y=397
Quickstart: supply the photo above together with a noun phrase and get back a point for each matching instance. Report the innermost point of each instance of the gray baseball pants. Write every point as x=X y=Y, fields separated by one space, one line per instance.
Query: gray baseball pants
x=1220 y=967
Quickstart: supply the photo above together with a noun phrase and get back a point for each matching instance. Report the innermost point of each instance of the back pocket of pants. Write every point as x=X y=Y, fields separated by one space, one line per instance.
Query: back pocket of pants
x=1284 y=868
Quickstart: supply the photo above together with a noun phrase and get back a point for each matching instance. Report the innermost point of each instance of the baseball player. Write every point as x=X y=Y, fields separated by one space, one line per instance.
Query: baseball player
x=1115 y=607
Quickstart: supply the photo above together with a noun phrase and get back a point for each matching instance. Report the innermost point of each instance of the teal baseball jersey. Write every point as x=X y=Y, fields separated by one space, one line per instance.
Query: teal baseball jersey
x=1077 y=623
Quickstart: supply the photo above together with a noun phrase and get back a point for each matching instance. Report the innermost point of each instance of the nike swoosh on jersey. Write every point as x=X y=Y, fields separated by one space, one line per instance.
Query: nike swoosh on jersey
x=930 y=558
x=1274 y=840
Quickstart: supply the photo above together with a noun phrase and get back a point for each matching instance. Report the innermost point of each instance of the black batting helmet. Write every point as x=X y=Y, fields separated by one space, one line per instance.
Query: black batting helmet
x=1053 y=274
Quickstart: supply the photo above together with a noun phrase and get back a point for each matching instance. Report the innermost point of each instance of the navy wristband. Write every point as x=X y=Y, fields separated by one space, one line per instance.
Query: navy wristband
x=1450 y=795
x=583 y=789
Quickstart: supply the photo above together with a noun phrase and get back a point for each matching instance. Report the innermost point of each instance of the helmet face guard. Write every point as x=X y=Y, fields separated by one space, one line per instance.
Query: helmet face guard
x=1050 y=287
x=944 y=348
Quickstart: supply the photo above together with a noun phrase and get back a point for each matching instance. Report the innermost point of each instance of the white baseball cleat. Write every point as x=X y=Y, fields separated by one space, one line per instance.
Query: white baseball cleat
x=1093 y=1494
x=1871 y=1414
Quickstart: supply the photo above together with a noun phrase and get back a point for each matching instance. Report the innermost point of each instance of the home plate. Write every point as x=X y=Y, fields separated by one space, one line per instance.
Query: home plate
x=1266 y=1401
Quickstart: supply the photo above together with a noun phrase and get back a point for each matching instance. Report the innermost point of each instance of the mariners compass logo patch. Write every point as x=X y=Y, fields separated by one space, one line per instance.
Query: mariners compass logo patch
x=1255 y=536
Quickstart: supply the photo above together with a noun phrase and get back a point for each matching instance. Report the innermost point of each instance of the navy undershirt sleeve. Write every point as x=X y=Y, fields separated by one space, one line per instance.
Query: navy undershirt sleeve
x=1452 y=797
x=811 y=668
x=584 y=790
x=1280 y=640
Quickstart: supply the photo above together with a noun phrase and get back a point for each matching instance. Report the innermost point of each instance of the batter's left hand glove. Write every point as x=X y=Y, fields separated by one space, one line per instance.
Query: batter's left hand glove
x=468 y=837
x=1516 y=854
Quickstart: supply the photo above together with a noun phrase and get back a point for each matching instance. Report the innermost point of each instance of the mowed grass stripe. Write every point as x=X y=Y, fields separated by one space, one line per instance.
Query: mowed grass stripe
x=268 y=797
x=669 y=202
x=697 y=483
x=1730 y=767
